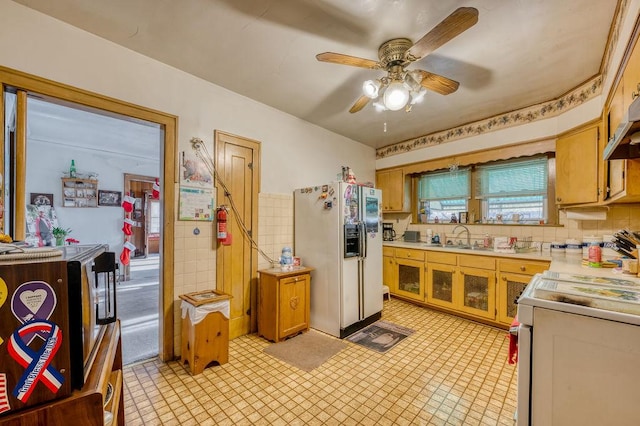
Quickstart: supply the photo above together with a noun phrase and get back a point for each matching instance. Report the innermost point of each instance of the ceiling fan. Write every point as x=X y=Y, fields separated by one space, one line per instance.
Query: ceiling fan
x=401 y=88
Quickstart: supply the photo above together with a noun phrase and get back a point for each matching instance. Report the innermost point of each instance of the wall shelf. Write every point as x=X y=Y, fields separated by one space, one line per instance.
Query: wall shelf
x=79 y=192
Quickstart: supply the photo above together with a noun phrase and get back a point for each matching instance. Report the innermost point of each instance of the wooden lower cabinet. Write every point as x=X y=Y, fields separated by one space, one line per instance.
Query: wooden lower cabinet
x=474 y=286
x=477 y=289
x=408 y=273
x=513 y=277
x=410 y=278
x=389 y=273
x=441 y=280
x=283 y=302
x=468 y=290
x=510 y=287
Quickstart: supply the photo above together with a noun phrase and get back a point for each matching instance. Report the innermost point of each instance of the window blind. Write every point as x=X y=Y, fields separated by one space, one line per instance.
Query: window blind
x=445 y=185
x=512 y=179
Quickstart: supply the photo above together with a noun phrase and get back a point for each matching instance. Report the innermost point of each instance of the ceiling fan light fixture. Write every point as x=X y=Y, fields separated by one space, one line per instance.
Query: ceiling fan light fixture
x=371 y=88
x=417 y=97
x=379 y=106
x=396 y=96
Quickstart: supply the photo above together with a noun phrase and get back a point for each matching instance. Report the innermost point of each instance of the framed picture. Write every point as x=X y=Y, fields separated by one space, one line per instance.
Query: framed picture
x=463 y=217
x=38 y=199
x=109 y=198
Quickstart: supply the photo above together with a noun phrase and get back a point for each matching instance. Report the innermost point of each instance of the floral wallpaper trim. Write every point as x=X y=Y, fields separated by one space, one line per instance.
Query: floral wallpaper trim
x=527 y=115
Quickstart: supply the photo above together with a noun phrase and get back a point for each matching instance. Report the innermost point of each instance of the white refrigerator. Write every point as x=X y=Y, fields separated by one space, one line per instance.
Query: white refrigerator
x=338 y=231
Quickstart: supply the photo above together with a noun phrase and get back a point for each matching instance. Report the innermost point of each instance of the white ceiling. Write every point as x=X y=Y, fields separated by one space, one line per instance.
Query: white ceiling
x=520 y=53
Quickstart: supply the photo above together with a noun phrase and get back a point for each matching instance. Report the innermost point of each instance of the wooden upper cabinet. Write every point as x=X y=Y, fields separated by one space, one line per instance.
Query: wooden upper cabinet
x=616 y=111
x=394 y=194
x=623 y=181
x=631 y=78
x=577 y=162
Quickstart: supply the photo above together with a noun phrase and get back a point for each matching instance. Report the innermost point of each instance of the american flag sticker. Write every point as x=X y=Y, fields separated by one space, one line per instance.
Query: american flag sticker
x=4 y=398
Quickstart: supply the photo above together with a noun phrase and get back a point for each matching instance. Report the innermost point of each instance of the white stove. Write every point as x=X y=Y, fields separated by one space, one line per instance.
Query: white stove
x=578 y=350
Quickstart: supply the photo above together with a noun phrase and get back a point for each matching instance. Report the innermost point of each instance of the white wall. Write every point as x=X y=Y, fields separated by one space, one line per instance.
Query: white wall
x=46 y=162
x=294 y=152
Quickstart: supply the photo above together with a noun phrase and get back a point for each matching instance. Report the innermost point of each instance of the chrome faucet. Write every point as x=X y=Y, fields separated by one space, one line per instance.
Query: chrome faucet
x=464 y=229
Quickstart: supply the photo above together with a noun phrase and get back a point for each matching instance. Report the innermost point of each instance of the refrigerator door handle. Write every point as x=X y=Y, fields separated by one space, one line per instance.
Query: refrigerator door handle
x=363 y=239
x=361 y=289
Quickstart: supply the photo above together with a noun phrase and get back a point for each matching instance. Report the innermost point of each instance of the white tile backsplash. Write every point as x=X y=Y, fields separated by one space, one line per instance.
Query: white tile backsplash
x=618 y=217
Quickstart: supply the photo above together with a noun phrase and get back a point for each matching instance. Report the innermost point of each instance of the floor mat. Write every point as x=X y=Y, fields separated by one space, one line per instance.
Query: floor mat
x=380 y=336
x=306 y=351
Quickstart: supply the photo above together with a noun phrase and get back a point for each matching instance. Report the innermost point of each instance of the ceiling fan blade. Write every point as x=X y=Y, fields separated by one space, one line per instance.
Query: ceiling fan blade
x=354 y=61
x=360 y=103
x=459 y=21
x=438 y=83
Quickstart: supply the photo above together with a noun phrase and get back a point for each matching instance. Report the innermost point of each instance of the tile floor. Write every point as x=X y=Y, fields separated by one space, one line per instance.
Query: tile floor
x=449 y=372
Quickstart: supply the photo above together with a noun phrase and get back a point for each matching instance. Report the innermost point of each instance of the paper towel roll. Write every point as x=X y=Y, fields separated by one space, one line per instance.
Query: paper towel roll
x=587 y=214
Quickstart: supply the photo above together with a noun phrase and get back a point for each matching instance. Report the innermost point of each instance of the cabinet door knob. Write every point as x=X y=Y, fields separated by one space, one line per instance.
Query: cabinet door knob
x=523 y=268
x=504 y=278
x=558 y=199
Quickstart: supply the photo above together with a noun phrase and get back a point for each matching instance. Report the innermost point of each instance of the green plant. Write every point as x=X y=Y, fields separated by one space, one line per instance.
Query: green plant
x=60 y=232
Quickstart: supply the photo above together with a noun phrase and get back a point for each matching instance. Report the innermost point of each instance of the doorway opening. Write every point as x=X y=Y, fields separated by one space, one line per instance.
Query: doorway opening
x=100 y=148
x=24 y=84
x=138 y=292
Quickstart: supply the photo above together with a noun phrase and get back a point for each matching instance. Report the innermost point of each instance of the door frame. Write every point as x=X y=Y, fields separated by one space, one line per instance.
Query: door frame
x=15 y=80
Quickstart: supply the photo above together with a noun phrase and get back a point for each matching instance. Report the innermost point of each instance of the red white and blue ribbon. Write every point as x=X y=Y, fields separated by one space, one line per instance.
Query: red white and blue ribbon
x=36 y=363
x=4 y=398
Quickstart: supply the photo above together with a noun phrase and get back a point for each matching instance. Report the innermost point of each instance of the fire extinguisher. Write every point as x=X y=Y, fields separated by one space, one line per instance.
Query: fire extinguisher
x=224 y=236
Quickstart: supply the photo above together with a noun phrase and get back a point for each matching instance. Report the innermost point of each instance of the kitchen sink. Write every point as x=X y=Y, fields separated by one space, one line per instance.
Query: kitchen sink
x=466 y=247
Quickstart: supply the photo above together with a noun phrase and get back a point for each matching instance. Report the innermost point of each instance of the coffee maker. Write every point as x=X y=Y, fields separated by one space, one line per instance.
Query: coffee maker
x=388 y=234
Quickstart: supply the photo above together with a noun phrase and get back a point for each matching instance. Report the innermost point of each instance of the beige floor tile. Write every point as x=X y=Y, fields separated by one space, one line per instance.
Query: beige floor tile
x=450 y=371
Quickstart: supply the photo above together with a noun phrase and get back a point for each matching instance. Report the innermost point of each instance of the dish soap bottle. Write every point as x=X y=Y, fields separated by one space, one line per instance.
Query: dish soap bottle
x=72 y=169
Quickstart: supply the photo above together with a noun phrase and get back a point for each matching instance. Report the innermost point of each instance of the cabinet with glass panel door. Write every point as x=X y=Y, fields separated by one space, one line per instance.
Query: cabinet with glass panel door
x=462 y=283
x=477 y=275
x=513 y=277
x=441 y=279
x=410 y=273
x=477 y=292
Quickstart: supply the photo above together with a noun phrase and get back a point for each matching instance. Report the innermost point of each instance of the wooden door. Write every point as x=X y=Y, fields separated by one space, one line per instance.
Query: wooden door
x=140 y=189
x=238 y=185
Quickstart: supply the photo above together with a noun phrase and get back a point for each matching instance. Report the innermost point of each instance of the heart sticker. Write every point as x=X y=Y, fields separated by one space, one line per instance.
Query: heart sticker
x=33 y=300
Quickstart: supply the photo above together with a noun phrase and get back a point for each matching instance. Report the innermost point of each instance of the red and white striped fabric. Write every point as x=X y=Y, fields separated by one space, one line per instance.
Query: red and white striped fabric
x=4 y=398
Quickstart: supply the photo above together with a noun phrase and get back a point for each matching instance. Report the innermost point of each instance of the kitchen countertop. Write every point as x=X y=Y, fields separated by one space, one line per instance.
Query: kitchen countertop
x=571 y=264
x=479 y=252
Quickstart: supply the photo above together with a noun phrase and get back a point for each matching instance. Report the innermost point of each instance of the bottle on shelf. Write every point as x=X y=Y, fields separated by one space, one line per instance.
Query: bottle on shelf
x=72 y=169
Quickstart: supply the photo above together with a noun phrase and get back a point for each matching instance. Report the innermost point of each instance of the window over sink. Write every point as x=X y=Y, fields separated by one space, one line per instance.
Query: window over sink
x=443 y=195
x=512 y=192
